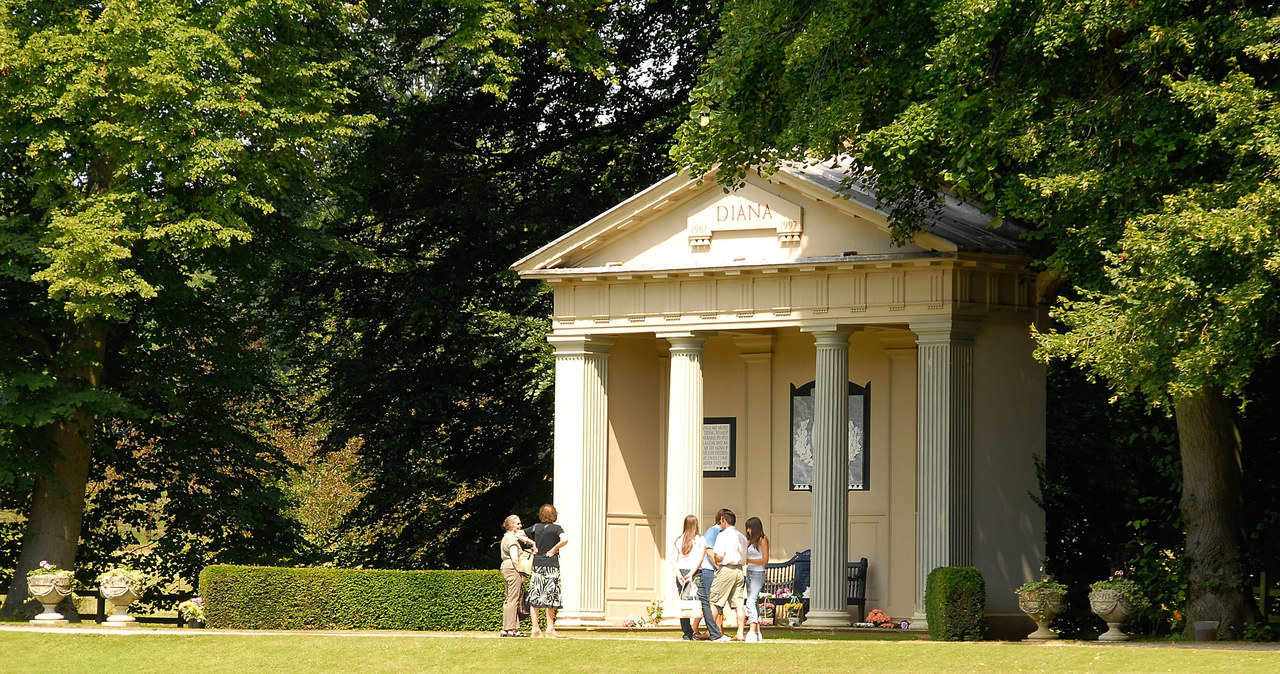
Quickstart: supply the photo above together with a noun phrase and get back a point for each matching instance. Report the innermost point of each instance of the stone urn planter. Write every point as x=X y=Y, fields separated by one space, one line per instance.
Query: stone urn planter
x=1042 y=606
x=120 y=592
x=49 y=589
x=1113 y=608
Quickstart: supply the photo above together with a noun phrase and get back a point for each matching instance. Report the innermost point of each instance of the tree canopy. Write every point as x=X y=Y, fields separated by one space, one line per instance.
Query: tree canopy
x=421 y=343
x=1137 y=139
x=148 y=152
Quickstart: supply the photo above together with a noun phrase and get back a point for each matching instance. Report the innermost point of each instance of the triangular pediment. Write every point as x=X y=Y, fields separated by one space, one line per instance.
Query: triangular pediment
x=679 y=223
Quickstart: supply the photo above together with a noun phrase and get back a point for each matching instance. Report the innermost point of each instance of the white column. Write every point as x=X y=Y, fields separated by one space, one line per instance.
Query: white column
x=580 y=451
x=684 y=446
x=830 y=496
x=945 y=448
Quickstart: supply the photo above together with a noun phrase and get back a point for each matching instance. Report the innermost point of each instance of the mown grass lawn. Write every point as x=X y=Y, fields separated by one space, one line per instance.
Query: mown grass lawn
x=210 y=652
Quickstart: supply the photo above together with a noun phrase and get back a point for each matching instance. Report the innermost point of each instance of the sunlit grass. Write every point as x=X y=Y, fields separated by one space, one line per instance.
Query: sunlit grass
x=211 y=651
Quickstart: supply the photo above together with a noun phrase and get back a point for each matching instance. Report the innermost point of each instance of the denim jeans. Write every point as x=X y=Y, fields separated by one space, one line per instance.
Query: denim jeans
x=685 y=624
x=755 y=583
x=704 y=595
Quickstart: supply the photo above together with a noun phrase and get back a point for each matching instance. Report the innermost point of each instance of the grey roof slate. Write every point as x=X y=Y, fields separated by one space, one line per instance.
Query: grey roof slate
x=958 y=221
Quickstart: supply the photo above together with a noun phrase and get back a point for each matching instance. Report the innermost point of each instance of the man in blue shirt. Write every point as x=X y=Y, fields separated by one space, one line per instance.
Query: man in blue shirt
x=705 y=578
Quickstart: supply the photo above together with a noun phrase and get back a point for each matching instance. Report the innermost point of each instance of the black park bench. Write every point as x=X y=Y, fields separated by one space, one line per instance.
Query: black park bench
x=793 y=576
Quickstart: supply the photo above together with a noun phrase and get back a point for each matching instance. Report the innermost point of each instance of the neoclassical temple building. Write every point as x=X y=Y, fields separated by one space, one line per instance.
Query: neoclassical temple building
x=771 y=350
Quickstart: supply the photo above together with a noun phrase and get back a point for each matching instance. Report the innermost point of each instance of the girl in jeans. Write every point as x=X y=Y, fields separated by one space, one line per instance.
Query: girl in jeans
x=757 y=557
x=686 y=560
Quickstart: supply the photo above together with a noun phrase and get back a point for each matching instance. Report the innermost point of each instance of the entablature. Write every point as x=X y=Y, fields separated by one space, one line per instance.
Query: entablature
x=871 y=289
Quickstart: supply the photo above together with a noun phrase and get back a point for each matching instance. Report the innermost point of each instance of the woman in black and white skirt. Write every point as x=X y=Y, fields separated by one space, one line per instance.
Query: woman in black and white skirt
x=544 y=585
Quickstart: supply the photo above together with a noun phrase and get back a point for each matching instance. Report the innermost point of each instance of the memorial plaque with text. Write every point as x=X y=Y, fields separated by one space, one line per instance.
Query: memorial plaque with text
x=719 y=446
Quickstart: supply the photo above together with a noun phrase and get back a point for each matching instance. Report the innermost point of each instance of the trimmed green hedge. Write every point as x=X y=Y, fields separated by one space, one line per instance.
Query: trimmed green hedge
x=263 y=597
x=955 y=600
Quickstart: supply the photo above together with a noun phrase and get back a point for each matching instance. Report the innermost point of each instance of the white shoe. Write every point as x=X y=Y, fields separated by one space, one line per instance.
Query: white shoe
x=724 y=639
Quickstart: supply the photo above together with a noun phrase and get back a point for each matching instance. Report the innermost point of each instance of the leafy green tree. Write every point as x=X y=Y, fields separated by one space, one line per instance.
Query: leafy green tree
x=1137 y=138
x=423 y=345
x=144 y=145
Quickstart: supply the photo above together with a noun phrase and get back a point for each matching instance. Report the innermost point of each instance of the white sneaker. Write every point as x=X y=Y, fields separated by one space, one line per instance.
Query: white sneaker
x=724 y=639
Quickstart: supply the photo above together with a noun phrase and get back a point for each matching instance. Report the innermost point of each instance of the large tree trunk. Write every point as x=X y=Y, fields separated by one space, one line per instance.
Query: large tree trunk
x=1212 y=508
x=57 y=501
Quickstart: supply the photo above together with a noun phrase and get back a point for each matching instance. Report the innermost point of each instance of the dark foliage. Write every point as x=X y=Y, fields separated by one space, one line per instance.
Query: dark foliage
x=422 y=343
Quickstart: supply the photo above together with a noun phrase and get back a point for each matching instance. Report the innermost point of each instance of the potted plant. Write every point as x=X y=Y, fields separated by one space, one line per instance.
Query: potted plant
x=1114 y=600
x=1042 y=601
x=48 y=585
x=192 y=612
x=122 y=586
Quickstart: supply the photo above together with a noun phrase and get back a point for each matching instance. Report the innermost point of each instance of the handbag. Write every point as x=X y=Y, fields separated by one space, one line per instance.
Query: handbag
x=524 y=564
x=688 y=608
x=689 y=591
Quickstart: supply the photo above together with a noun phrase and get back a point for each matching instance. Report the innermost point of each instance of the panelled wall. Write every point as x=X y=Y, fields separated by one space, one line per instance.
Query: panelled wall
x=748 y=377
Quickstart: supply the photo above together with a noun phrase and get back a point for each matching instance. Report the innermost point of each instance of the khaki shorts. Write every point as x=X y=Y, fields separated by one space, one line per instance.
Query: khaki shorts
x=728 y=589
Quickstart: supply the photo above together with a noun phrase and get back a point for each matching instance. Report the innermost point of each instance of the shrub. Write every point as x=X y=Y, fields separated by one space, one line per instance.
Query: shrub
x=256 y=597
x=955 y=603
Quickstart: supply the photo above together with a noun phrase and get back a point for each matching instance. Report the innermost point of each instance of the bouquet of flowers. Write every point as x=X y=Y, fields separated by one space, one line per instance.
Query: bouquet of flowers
x=655 y=616
x=878 y=617
x=192 y=609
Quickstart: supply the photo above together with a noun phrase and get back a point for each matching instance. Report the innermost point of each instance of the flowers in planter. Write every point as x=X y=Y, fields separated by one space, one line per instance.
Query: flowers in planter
x=1045 y=584
x=47 y=569
x=192 y=609
x=139 y=579
x=1127 y=589
x=878 y=617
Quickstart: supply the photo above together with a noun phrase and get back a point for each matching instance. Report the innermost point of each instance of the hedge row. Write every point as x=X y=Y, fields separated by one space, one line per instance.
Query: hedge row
x=955 y=600
x=259 y=597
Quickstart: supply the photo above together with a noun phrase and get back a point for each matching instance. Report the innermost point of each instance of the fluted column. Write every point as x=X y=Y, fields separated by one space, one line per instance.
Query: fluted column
x=830 y=495
x=579 y=463
x=945 y=447
x=684 y=444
